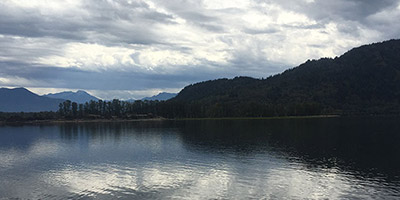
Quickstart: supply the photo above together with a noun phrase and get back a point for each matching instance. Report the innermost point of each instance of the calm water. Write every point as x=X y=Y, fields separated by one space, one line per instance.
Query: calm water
x=342 y=158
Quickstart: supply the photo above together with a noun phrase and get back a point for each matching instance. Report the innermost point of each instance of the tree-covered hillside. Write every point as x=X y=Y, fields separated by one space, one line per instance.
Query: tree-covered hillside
x=365 y=80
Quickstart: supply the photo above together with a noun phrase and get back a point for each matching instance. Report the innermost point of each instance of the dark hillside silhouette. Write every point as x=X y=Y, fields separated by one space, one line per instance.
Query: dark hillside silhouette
x=23 y=100
x=365 y=80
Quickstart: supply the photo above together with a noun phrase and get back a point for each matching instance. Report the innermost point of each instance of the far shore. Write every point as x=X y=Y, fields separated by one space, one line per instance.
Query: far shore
x=259 y=118
x=62 y=121
x=157 y=119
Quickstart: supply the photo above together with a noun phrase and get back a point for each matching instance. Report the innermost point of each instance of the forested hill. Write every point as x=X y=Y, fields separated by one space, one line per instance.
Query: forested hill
x=365 y=80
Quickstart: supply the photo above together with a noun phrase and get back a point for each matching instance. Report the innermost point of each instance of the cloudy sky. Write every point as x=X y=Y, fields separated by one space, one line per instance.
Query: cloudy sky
x=135 y=48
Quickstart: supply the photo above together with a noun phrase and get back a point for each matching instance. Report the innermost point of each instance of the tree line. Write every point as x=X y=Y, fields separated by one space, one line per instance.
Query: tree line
x=68 y=110
x=117 y=109
x=175 y=109
x=108 y=109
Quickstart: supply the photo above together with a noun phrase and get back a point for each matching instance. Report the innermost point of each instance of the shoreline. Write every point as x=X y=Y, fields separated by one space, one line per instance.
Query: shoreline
x=261 y=118
x=77 y=121
x=158 y=119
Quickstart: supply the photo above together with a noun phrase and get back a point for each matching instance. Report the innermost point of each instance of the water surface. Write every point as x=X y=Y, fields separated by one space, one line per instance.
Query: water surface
x=335 y=158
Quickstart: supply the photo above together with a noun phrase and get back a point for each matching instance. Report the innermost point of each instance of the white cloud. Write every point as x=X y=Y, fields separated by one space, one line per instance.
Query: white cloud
x=210 y=4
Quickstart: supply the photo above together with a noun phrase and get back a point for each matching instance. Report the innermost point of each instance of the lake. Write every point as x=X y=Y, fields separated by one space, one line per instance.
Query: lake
x=326 y=158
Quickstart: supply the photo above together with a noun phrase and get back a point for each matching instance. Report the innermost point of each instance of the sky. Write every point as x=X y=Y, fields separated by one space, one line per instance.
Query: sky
x=136 y=48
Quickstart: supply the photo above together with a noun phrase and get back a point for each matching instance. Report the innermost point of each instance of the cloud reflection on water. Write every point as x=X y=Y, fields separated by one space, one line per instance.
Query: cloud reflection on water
x=183 y=161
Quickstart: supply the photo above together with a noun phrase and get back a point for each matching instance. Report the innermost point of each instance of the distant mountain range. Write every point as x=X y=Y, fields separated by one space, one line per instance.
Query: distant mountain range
x=163 y=96
x=23 y=100
x=79 y=97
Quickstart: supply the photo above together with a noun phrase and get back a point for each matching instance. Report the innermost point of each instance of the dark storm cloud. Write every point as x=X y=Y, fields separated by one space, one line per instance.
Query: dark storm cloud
x=250 y=64
x=55 y=77
x=347 y=13
x=354 y=10
x=20 y=49
x=31 y=23
x=194 y=13
x=97 y=21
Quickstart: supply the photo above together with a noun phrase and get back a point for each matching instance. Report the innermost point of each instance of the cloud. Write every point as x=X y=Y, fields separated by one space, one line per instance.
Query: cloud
x=107 y=22
x=266 y=30
x=353 y=10
x=153 y=45
x=345 y=13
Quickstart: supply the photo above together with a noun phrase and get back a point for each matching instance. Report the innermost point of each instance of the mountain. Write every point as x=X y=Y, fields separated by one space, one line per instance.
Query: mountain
x=23 y=100
x=163 y=96
x=364 y=80
x=78 y=97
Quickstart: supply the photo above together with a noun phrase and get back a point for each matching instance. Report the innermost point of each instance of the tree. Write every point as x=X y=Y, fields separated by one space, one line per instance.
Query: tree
x=67 y=107
x=74 y=109
x=61 y=109
x=81 y=111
